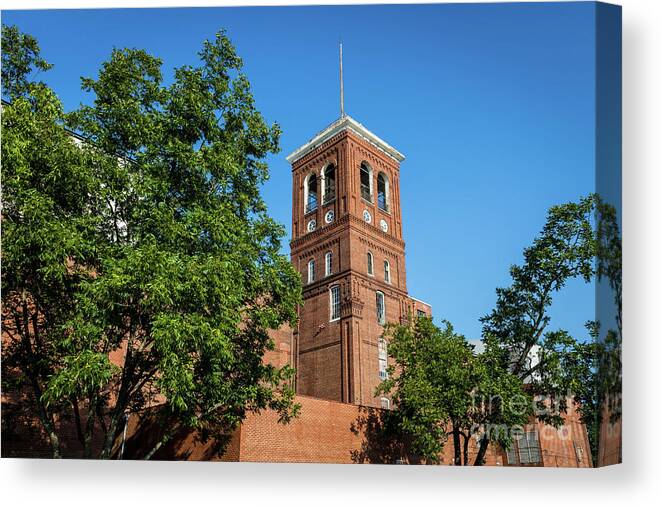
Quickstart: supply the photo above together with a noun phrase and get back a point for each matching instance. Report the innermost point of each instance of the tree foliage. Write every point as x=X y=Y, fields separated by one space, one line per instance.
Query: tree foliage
x=148 y=242
x=559 y=369
x=545 y=369
x=21 y=60
x=442 y=389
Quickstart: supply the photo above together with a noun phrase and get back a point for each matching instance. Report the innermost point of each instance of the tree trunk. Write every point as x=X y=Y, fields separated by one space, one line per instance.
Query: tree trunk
x=77 y=419
x=466 y=441
x=482 y=451
x=457 y=446
x=158 y=445
x=28 y=363
x=89 y=428
x=121 y=403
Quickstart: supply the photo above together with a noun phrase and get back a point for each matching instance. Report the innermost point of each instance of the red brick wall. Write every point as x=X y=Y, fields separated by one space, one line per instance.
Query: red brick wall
x=332 y=432
x=339 y=360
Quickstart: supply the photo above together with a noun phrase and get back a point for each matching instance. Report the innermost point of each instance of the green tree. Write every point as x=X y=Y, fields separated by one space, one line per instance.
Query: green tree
x=517 y=330
x=21 y=60
x=442 y=389
x=596 y=364
x=47 y=232
x=150 y=242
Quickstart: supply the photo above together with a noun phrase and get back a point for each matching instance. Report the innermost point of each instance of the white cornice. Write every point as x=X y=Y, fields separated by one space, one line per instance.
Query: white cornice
x=345 y=123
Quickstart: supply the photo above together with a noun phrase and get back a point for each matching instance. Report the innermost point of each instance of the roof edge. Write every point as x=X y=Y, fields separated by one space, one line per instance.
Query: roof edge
x=344 y=123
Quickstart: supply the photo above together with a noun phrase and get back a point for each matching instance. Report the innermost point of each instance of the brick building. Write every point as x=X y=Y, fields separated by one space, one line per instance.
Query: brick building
x=347 y=244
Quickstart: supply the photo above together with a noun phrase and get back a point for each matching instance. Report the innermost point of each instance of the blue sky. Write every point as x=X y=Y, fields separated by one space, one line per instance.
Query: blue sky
x=492 y=104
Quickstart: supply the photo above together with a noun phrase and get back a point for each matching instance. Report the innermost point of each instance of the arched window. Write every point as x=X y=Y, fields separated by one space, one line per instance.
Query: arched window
x=311 y=271
x=370 y=264
x=310 y=192
x=334 y=302
x=328 y=183
x=386 y=271
x=380 y=308
x=382 y=191
x=328 y=258
x=366 y=181
x=385 y=402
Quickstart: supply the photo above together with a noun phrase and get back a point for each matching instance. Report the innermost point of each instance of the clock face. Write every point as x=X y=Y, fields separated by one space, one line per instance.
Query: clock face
x=384 y=225
x=312 y=225
x=330 y=216
x=367 y=217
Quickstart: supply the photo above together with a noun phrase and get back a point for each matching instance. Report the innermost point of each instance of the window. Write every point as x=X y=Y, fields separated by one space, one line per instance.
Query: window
x=385 y=403
x=380 y=308
x=524 y=449
x=328 y=183
x=329 y=263
x=383 y=369
x=382 y=191
x=311 y=271
x=383 y=359
x=310 y=193
x=366 y=181
x=383 y=349
x=386 y=271
x=421 y=313
x=335 y=302
x=370 y=264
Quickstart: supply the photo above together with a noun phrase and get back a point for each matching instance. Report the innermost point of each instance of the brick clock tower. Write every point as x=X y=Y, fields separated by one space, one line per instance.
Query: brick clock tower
x=347 y=244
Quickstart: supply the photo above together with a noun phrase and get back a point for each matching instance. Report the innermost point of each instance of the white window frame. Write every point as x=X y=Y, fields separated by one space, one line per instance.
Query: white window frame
x=306 y=193
x=381 y=315
x=386 y=271
x=370 y=264
x=328 y=263
x=383 y=348
x=383 y=369
x=311 y=270
x=335 y=303
x=385 y=403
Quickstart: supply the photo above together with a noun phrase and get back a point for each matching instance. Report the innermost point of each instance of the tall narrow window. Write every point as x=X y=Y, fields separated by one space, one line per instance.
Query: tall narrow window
x=383 y=369
x=335 y=302
x=329 y=263
x=386 y=271
x=366 y=181
x=383 y=348
x=328 y=176
x=311 y=271
x=383 y=359
x=311 y=193
x=380 y=308
x=370 y=264
x=382 y=191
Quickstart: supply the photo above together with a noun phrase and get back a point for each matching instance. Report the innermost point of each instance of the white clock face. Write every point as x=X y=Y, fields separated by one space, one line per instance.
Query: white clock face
x=367 y=217
x=312 y=225
x=330 y=216
x=384 y=225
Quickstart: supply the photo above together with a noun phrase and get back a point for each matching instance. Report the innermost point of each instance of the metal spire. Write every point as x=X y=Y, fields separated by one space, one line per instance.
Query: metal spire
x=341 y=86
